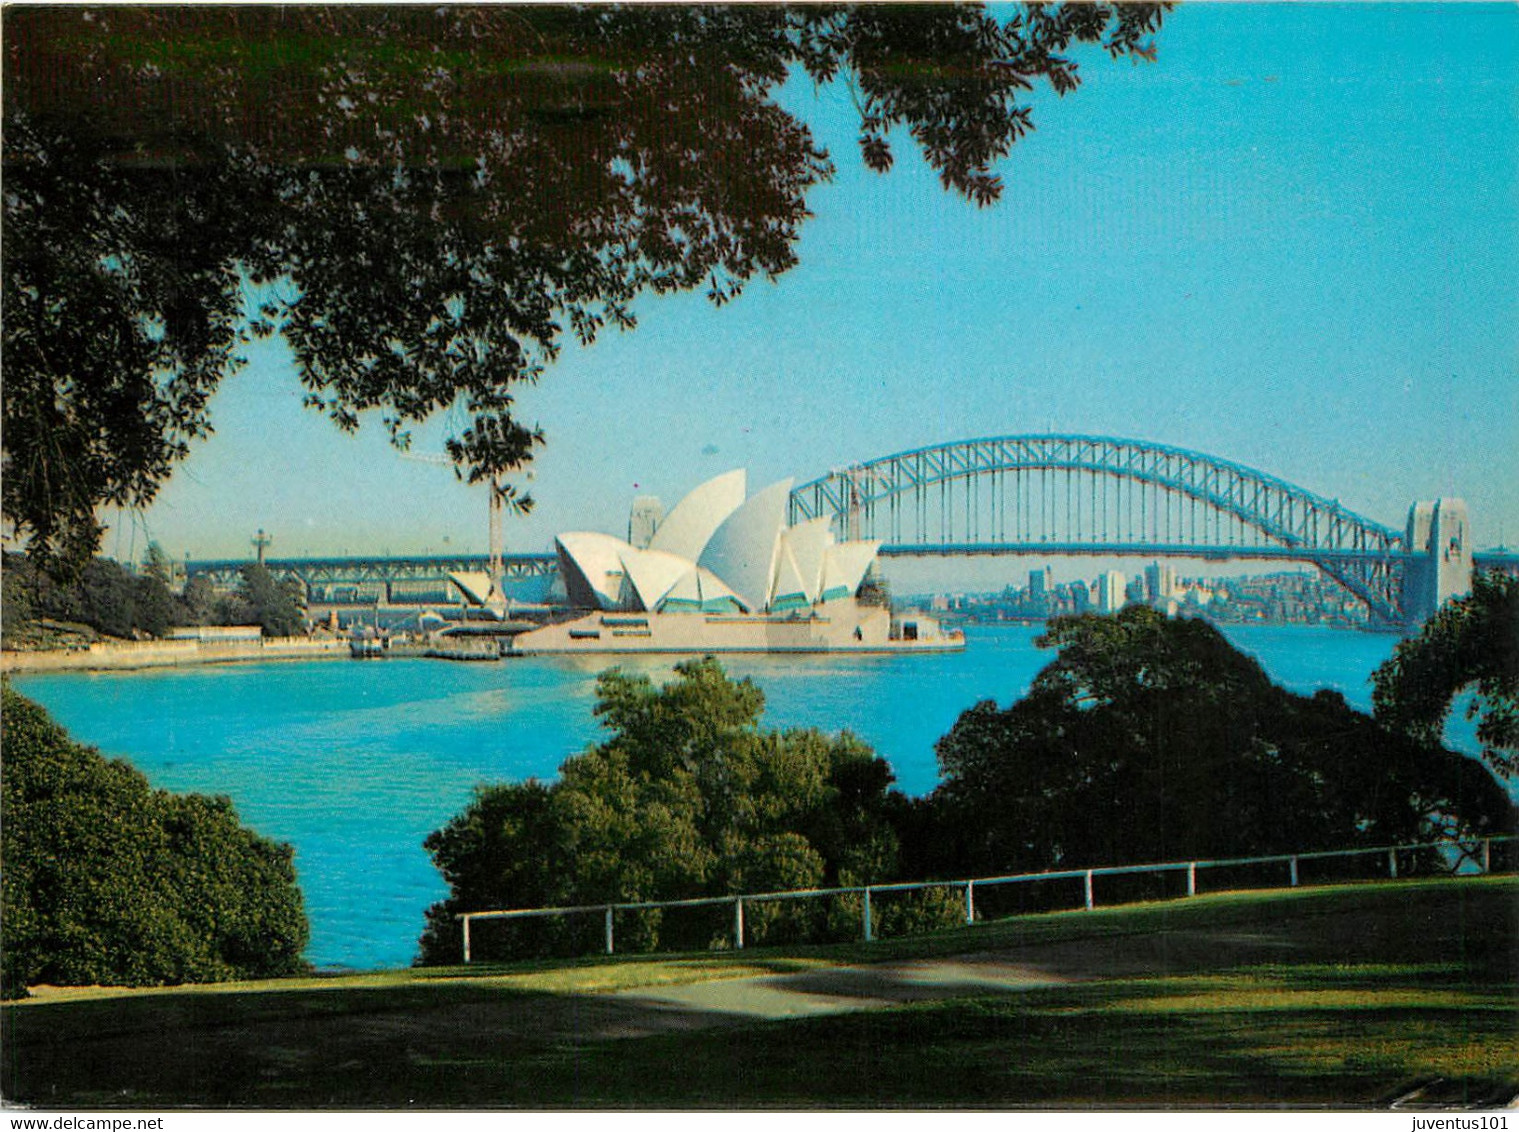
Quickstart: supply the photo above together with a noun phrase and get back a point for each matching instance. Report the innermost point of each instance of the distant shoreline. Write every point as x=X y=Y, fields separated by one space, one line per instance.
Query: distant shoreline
x=126 y=656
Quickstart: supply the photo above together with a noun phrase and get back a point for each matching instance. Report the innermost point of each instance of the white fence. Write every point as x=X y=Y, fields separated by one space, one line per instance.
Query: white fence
x=1476 y=852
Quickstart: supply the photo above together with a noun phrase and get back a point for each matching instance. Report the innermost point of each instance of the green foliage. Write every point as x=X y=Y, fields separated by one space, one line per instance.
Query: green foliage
x=105 y=596
x=688 y=797
x=107 y=880
x=197 y=604
x=1154 y=739
x=17 y=615
x=378 y=173
x=269 y=603
x=1470 y=645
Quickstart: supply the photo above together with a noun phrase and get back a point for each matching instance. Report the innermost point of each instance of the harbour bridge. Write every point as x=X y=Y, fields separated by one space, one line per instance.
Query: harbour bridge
x=1059 y=495
x=1052 y=496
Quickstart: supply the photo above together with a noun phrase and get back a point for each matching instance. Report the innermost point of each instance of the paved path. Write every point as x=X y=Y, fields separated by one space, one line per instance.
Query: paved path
x=834 y=990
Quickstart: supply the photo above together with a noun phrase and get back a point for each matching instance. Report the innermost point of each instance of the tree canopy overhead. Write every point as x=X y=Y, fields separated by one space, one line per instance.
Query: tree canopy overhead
x=425 y=200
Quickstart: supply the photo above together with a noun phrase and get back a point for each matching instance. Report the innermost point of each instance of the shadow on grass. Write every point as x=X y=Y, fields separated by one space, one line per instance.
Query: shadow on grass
x=393 y=1047
x=1105 y=1046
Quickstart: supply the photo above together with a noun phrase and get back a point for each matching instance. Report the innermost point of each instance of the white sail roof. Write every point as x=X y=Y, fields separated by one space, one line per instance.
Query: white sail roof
x=789 y=590
x=474 y=584
x=699 y=589
x=716 y=594
x=691 y=522
x=807 y=544
x=653 y=573
x=742 y=552
x=593 y=569
x=844 y=567
x=744 y=557
x=684 y=594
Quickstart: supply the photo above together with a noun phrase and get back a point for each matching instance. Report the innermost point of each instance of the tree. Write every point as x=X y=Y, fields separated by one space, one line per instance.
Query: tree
x=425 y=200
x=688 y=797
x=152 y=604
x=1470 y=645
x=107 y=880
x=18 y=617
x=197 y=604
x=105 y=597
x=269 y=603
x=158 y=564
x=1149 y=738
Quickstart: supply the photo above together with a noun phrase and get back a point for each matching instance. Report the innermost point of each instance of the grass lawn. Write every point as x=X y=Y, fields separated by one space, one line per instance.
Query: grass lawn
x=1350 y=996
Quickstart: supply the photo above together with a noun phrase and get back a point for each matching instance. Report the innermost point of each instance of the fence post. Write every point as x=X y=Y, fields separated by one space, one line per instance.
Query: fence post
x=738 y=923
x=1292 y=865
x=609 y=929
x=970 y=902
x=1192 y=879
x=1089 y=890
x=465 y=920
x=1487 y=855
x=868 y=935
x=1392 y=863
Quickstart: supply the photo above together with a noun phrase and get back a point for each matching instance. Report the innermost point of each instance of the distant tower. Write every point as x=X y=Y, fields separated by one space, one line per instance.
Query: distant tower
x=1111 y=595
x=1160 y=581
x=644 y=519
x=260 y=541
x=1439 y=535
x=1040 y=583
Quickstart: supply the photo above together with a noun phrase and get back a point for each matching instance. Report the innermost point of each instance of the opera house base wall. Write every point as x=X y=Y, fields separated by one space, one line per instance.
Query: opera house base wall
x=844 y=626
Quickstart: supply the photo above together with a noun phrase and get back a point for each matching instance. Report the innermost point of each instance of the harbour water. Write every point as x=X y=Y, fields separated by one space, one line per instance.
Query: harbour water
x=354 y=763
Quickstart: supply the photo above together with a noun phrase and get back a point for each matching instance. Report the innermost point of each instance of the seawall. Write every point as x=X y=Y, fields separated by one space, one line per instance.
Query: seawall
x=125 y=655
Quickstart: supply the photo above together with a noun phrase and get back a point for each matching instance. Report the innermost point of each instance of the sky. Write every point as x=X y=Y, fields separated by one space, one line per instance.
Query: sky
x=1292 y=242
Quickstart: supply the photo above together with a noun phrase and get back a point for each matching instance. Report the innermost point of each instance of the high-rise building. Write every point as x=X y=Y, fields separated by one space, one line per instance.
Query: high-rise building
x=644 y=519
x=1160 y=584
x=1111 y=594
x=1040 y=583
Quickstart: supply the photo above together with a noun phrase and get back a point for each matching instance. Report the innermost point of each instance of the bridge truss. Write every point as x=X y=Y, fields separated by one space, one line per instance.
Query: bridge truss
x=392 y=579
x=1087 y=495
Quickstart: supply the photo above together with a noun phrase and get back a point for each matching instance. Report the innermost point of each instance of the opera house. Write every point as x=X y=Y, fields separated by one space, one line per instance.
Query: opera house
x=723 y=572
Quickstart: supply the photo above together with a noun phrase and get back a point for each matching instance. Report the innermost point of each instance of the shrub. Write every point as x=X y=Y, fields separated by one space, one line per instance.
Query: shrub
x=107 y=880
x=688 y=797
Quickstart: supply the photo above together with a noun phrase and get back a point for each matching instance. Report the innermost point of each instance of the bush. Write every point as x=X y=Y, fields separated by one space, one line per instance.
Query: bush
x=1153 y=739
x=108 y=880
x=689 y=797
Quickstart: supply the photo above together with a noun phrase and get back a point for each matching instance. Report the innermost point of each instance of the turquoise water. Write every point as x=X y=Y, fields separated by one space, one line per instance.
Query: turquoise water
x=354 y=763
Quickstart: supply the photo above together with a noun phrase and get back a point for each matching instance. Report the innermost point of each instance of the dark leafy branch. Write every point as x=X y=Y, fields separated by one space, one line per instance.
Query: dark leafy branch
x=424 y=201
x=1471 y=646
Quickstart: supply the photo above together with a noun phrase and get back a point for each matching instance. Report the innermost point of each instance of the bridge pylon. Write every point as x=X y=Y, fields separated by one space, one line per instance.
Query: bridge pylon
x=1440 y=564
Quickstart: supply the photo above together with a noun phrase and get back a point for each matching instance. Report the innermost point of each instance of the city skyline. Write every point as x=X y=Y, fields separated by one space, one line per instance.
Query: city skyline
x=1290 y=242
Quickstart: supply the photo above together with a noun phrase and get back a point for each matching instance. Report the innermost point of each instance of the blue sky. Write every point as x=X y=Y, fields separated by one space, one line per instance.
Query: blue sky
x=1293 y=241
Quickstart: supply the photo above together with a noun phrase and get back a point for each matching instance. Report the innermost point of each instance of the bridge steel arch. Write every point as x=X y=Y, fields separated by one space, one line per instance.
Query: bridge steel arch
x=1093 y=495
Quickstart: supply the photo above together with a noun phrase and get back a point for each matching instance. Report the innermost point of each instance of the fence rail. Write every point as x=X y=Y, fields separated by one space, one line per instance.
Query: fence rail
x=1478 y=851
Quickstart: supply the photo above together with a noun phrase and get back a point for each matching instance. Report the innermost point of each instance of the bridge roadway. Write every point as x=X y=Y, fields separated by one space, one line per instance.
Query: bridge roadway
x=1206 y=551
x=372 y=569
